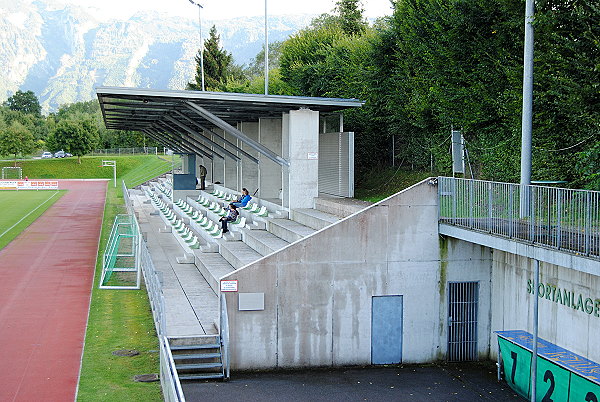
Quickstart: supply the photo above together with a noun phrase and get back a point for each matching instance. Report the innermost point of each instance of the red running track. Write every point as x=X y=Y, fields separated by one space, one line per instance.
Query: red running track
x=46 y=277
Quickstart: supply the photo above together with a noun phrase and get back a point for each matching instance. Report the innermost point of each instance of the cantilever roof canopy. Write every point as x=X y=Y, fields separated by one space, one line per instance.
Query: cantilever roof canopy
x=177 y=119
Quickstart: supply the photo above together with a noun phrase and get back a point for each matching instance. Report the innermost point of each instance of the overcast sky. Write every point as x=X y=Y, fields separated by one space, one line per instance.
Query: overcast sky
x=222 y=9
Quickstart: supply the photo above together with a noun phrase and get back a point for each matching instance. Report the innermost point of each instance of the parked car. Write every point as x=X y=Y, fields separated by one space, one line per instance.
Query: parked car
x=46 y=155
x=68 y=155
x=59 y=154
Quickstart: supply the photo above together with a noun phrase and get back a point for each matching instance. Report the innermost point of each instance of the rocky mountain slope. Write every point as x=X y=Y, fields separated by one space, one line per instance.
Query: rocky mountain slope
x=63 y=53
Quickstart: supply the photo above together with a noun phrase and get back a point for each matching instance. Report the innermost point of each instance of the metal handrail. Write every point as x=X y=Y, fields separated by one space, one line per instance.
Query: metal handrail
x=558 y=218
x=157 y=304
x=224 y=327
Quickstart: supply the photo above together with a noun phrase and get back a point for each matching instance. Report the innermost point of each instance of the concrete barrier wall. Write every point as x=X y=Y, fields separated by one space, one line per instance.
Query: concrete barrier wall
x=318 y=291
x=569 y=324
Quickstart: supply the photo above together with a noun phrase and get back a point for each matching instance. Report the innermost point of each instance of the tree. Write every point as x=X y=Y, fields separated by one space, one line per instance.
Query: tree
x=351 y=16
x=77 y=136
x=218 y=66
x=16 y=139
x=25 y=102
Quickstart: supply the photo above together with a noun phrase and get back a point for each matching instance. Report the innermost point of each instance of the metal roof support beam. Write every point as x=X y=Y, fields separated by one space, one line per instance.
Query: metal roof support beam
x=156 y=137
x=187 y=146
x=204 y=128
x=195 y=136
x=201 y=146
x=237 y=133
x=190 y=141
x=168 y=144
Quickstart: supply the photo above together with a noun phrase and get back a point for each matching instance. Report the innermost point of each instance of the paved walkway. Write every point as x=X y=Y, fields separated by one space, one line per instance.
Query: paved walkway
x=46 y=276
x=191 y=306
x=450 y=382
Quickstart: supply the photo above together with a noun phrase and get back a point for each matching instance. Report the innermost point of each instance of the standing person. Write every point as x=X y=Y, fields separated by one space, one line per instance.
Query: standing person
x=231 y=216
x=202 y=171
x=243 y=199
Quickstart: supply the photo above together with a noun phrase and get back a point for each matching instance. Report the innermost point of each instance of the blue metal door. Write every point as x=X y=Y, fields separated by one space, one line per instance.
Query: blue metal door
x=386 y=330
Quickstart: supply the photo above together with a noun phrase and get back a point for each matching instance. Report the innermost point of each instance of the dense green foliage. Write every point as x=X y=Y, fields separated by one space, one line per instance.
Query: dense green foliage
x=24 y=133
x=25 y=102
x=77 y=136
x=438 y=64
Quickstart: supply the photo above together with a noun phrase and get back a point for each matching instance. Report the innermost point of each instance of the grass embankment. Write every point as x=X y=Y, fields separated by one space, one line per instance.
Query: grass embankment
x=21 y=209
x=377 y=184
x=135 y=169
x=120 y=319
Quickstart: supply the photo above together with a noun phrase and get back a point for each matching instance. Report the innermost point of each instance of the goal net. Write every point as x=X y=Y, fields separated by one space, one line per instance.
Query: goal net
x=12 y=173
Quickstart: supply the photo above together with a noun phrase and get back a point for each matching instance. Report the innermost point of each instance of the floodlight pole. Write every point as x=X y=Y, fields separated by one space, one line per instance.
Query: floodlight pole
x=266 y=52
x=201 y=42
x=527 y=114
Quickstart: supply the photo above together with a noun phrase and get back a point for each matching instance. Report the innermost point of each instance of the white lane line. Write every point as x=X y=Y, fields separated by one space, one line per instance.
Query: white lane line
x=32 y=211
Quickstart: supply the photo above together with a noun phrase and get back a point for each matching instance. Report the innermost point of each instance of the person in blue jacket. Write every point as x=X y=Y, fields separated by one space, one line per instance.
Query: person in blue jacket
x=243 y=199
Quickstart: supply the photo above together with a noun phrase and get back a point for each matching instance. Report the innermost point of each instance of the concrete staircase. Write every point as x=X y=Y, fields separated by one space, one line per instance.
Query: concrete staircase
x=198 y=358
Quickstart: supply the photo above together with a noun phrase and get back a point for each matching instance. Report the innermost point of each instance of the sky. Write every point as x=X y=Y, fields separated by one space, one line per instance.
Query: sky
x=221 y=9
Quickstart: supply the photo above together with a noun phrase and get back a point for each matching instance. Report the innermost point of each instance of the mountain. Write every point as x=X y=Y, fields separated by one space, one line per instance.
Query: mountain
x=62 y=52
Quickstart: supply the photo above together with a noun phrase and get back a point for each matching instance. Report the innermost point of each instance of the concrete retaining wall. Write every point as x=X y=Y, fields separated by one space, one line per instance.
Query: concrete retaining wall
x=318 y=291
x=570 y=325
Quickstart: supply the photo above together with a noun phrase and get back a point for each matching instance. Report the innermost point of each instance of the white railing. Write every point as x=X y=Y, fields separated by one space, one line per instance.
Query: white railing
x=224 y=328
x=169 y=379
x=559 y=218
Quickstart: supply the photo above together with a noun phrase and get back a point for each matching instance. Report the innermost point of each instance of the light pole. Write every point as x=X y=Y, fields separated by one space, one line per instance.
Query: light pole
x=201 y=41
x=266 y=52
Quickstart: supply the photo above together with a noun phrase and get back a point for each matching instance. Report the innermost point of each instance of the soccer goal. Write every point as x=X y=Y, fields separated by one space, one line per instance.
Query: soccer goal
x=12 y=173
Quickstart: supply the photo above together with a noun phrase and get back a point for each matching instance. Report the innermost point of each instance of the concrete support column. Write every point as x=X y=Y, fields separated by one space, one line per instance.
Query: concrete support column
x=249 y=169
x=303 y=148
x=285 y=154
x=269 y=179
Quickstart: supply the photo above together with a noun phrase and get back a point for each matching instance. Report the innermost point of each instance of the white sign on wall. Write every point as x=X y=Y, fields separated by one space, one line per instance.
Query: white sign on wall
x=229 y=285
x=312 y=156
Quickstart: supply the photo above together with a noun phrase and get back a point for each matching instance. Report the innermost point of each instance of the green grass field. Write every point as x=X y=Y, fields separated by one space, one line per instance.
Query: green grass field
x=135 y=169
x=21 y=208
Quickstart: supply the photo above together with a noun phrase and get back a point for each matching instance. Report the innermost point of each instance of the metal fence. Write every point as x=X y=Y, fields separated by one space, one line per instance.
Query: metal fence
x=169 y=379
x=559 y=218
x=125 y=151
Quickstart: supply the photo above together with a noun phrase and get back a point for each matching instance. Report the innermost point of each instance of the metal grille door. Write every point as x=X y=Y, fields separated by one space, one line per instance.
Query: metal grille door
x=462 y=321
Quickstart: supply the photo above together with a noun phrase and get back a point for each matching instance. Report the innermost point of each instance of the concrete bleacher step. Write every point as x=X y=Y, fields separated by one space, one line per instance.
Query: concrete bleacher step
x=314 y=218
x=341 y=207
x=238 y=253
x=212 y=266
x=262 y=241
x=289 y=230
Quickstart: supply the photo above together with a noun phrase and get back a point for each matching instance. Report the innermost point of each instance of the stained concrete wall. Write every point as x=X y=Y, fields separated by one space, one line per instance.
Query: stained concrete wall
x=318 y=291
x=572 y=328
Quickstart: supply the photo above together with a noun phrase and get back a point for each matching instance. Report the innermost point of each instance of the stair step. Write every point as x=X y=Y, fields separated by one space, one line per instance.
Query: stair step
x=238 y=253
x=213 y=266
x=314 y=218
x=200 y=376
x=262 y=241
x=195 y=356
x=194 y=347
x=198 y=366
x=289 y=230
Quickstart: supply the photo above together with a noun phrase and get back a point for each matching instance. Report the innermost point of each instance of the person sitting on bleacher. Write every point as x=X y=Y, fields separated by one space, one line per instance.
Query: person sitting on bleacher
x=231 y=216
x=243 y=199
